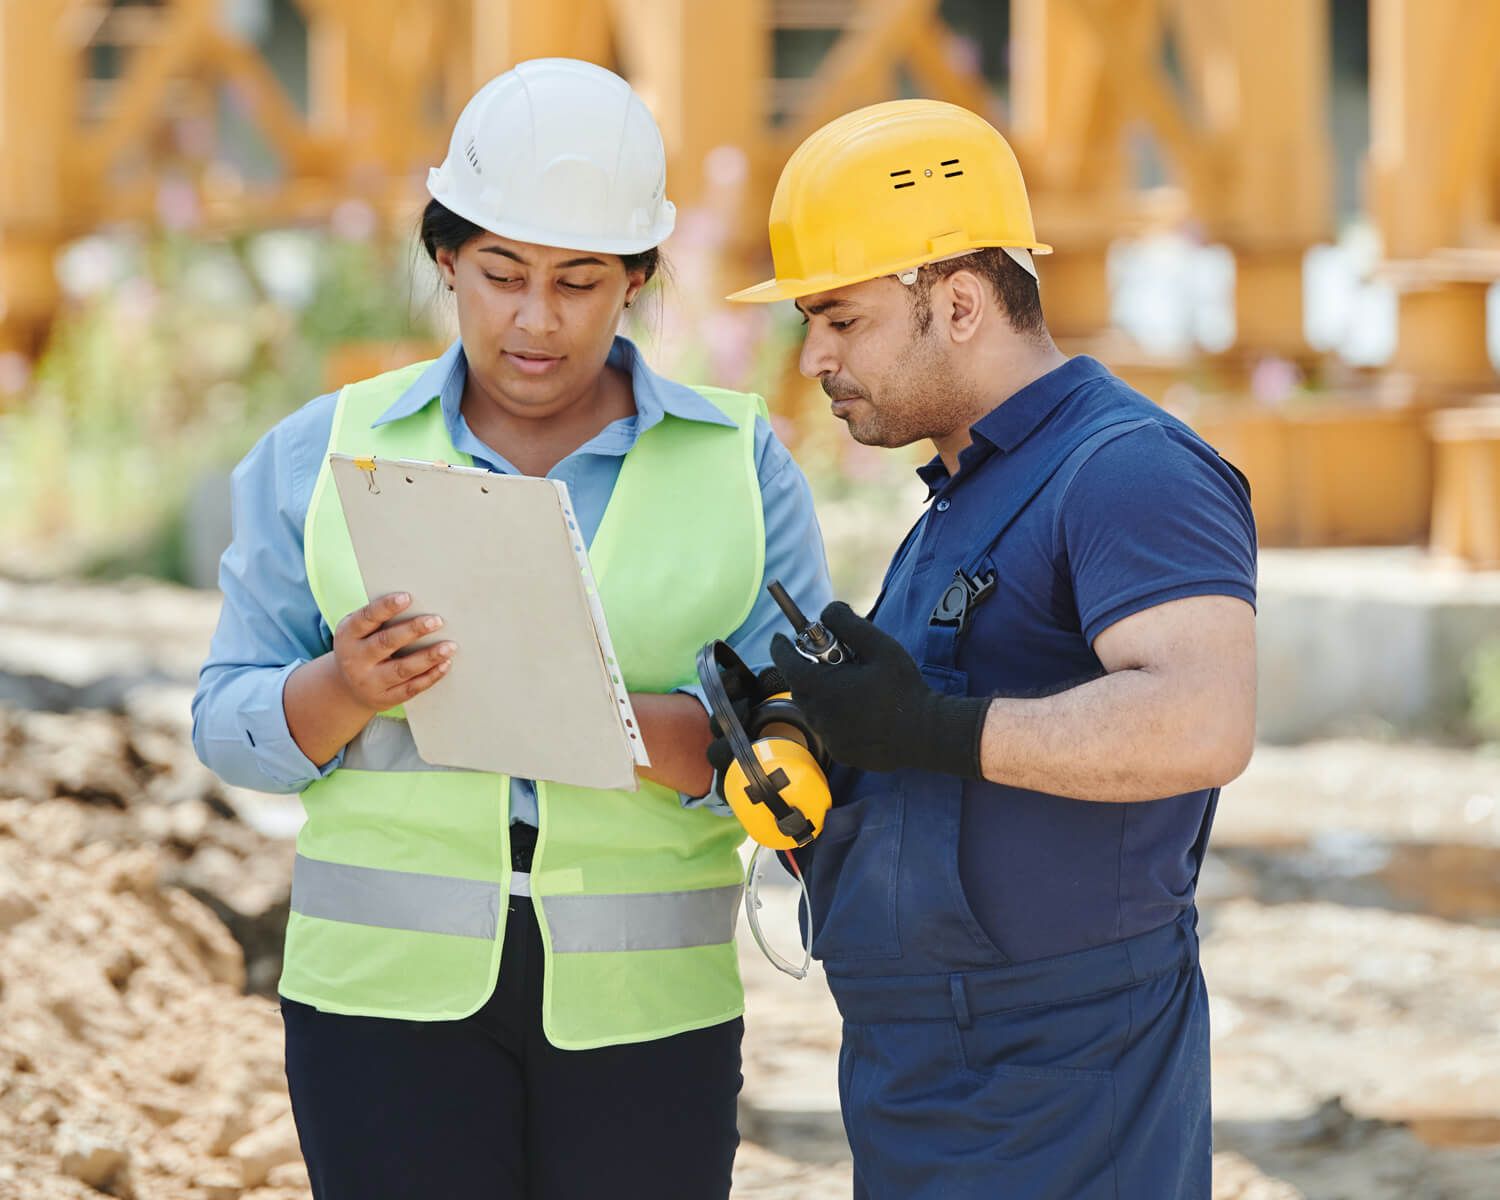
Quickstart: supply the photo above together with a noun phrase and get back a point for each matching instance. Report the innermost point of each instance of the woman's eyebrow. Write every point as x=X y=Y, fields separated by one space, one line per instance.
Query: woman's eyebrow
x=587 y=260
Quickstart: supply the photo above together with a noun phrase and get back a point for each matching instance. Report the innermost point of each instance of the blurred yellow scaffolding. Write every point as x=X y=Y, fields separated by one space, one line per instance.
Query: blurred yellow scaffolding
x=1240 y=123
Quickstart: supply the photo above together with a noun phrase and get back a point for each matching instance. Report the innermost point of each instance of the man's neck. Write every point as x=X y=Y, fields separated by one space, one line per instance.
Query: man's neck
x=1003 y=376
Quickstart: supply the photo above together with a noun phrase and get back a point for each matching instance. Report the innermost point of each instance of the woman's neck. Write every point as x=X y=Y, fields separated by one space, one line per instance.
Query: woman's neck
x=534 y=445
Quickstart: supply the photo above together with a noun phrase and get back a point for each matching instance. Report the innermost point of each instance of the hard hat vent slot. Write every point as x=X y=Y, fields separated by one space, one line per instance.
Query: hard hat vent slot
x=899 y=174
x=472 y=154
x=950 y=162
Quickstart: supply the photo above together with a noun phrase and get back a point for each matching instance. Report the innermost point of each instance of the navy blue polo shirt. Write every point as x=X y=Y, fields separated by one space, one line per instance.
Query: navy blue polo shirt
x=1151 y=516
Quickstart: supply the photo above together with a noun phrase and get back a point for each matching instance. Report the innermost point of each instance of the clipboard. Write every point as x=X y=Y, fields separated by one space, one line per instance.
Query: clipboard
x=535 y=690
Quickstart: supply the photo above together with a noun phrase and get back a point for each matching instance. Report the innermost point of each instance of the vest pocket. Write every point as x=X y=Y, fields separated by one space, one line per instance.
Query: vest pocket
x=852 y=881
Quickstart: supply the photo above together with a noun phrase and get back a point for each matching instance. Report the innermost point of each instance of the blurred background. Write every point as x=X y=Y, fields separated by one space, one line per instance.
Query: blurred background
x=1278 y=218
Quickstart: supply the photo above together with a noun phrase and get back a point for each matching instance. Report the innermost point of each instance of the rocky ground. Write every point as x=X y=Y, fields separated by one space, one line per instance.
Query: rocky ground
x=1351 y=921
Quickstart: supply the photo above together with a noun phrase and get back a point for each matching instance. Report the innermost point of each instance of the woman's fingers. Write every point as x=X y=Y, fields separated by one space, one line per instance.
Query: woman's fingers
x=418 y=684
x=368 y=647
x=362 y=622
x=397 y=636
x=396 y=671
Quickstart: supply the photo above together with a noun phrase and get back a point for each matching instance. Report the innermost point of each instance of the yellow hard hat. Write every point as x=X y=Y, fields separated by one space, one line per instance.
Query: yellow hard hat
x=888 y=188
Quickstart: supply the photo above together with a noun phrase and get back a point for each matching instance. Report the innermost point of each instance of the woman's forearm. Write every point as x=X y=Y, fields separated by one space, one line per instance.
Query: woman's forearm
x=322 y=715
x=675 y=729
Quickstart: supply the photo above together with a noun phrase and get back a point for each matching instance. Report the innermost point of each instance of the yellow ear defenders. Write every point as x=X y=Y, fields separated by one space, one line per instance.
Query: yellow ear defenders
x=776 y=783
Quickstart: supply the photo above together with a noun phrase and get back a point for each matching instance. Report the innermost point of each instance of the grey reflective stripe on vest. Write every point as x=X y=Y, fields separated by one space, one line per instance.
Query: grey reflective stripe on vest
x=386 y=744
x=471 y=908
x=642 y=920
x=395 y=899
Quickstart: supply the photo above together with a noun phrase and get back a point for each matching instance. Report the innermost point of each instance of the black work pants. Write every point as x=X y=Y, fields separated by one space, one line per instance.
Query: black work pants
x=487 y=1109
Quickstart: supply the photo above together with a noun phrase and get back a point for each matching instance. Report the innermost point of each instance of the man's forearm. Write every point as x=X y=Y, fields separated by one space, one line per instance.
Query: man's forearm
x=1127 y=736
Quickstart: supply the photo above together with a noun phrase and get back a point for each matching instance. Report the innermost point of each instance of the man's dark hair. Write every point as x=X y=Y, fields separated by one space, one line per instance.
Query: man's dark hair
x=444 y=229
x=1013 y=286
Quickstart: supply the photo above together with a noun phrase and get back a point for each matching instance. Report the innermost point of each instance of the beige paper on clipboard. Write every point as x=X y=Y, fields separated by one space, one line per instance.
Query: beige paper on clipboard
x=534 y=690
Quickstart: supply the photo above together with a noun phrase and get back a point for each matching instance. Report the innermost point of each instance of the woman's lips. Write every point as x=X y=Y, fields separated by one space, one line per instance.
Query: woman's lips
x=530 y=364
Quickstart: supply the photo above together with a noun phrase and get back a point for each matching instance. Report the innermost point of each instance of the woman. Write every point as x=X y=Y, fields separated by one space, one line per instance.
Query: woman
x=584 y=1038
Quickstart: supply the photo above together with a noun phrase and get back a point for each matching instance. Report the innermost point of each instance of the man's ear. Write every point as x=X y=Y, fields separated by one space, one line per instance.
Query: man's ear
x=967 y=304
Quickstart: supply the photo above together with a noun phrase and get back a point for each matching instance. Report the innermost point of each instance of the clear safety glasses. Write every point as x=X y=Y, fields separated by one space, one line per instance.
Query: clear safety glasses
x=760 y=863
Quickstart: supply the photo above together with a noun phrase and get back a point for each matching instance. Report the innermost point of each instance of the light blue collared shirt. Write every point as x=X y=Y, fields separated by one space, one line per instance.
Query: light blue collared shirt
x=270 y=624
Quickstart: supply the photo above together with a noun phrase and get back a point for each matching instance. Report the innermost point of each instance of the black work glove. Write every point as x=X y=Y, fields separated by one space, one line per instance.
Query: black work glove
x=876 y=712
x=767 y=684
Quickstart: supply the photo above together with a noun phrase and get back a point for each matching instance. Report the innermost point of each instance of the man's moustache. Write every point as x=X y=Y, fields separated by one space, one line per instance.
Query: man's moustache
x=835 y=392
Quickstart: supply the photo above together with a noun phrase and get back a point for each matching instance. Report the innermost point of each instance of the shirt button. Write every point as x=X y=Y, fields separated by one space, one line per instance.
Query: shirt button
x=942 y=506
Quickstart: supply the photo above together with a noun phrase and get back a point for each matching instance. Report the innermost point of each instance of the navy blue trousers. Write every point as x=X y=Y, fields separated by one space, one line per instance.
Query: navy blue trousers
x=487 y=1109
x=1081 y=1077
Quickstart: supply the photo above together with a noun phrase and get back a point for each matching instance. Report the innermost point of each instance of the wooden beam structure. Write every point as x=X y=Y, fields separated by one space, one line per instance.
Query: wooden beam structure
x=1240 y=127
x=39 y=82
x=1232 y=94
x=1260 y=75
x=1434 y=182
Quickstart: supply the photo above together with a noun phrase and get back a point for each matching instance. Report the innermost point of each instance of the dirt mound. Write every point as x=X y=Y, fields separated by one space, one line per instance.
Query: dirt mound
x=131 y=1062
x=135 y=783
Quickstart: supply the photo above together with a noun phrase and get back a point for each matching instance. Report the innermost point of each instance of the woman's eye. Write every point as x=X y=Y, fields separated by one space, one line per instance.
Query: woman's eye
x=579 y=287
x=500 y=278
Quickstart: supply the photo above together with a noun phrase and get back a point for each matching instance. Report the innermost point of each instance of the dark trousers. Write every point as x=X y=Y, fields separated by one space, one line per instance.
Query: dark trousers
x=486 y=1109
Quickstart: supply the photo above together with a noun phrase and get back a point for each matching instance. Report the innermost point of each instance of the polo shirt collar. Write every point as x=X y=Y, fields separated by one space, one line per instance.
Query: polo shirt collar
x=1012 y=421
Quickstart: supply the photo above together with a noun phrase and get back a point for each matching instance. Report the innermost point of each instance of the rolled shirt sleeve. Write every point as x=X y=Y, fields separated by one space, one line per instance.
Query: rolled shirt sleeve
x=269 y=624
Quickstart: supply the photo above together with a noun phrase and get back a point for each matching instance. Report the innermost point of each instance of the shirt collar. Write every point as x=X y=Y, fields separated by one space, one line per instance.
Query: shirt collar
x=1011 y=422
x=655 y=395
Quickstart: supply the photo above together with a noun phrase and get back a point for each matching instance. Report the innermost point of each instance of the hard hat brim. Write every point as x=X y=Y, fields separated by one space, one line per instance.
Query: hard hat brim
x=771 y=290
x=593 y=243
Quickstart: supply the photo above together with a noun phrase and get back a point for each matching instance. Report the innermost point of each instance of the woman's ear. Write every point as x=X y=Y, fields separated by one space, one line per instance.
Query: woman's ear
x=447 y=264
x=634 y=282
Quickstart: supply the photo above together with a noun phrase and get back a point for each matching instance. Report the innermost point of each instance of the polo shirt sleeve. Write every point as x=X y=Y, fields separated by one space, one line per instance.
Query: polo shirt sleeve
x=1152 y=516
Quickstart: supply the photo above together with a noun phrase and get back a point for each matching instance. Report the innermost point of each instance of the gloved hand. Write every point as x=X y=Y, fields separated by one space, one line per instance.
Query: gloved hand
x=876 y=712
x=767 y=684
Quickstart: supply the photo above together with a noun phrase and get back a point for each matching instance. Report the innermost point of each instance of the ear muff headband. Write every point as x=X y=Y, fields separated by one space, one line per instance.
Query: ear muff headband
x=712 y=658
x=782 y=711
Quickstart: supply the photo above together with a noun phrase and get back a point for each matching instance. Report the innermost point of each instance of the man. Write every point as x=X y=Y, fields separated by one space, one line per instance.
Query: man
x=1056 y=679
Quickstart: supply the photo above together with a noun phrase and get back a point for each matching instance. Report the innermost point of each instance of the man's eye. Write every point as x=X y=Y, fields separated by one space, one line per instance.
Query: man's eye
x=841 y=325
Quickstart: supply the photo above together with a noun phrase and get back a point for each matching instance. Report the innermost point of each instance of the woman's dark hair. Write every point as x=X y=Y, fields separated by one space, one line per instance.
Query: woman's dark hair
x=443 y=229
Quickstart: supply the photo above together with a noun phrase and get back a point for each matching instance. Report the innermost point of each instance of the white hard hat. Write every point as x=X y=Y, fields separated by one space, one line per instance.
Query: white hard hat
x=560 y=153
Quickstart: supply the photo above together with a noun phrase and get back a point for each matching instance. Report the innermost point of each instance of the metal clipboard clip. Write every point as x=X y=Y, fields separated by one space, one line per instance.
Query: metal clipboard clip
x=367 y=465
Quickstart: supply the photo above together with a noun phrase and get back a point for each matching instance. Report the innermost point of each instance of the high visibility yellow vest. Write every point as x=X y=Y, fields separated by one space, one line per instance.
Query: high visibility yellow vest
x=403 y=869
